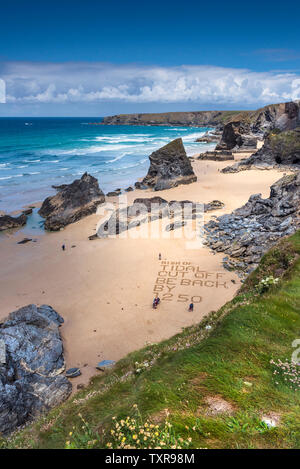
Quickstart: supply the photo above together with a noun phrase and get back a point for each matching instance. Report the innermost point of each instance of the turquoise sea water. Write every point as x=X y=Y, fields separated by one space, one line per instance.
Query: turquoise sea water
x=36 y=153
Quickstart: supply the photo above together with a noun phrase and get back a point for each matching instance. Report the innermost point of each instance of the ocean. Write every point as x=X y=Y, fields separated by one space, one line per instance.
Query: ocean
x=36 y=153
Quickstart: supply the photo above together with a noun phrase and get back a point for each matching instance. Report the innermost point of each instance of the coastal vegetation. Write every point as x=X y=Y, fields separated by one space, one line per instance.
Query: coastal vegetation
x=228 y=382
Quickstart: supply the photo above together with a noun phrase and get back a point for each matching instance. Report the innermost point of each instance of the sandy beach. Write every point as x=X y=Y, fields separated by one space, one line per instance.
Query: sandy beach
x=104 y=288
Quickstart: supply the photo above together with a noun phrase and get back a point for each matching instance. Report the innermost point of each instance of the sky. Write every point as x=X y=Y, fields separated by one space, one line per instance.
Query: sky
x=96 y=58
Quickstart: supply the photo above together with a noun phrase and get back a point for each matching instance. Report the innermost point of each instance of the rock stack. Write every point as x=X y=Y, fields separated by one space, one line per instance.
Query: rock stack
x=72 y=202
x=169 y=167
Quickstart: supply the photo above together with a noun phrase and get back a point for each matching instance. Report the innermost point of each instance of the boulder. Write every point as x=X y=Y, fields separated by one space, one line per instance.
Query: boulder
x=169 y=167
x=213 y=205
x=105 y=365
x=115 y=193
x=73 y=372
x=31 y=380
x=25 y=241
x=72 y=202
x=7 y=222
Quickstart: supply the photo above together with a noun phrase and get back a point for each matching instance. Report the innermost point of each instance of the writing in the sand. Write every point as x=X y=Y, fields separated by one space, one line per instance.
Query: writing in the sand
x=183 y=274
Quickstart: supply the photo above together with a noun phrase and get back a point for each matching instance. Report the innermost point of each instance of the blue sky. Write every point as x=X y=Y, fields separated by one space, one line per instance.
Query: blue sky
x=72 y=57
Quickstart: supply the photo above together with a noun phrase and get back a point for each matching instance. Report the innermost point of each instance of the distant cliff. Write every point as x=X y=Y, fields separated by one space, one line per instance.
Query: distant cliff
x=197 y=118
x=284 y=116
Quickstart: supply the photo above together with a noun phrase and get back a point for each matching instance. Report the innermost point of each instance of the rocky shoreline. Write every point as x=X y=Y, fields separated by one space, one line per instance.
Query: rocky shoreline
x=248 y=232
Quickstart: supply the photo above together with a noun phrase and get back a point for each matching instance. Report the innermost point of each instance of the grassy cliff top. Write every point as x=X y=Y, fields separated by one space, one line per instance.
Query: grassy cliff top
x=218 y=380
x=173 y=118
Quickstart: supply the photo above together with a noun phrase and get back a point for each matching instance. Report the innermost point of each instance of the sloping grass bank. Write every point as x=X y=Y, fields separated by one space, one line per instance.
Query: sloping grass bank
x=212 y=386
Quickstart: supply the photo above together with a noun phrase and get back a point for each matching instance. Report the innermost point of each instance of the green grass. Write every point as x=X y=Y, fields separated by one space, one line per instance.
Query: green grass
x=285 y=144
x=231 y=360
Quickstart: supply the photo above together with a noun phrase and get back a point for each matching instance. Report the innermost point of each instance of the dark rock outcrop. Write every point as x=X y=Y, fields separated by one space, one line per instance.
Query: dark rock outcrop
x=146 y=210
x=237 y=136
x=283 y=116
x=8 y=223
x=247 y=233
x=169 y=167
x=27 y=211
x=232 y=135
x=25 y=241
x=31 y=380
x=281 y=149
x=72 y=202
x=243 y=131
x=213 y=205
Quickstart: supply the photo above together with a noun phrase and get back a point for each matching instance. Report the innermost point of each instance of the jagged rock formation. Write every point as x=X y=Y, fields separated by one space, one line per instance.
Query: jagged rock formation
x=281 y=149
x=197 y=119
x=146 y=210
x=7 y=222
x=31 y=366
x=72 y=202
x=247 y=233
x=242 y=132
x=283 y=116
x=234 y=136
x=169 y=167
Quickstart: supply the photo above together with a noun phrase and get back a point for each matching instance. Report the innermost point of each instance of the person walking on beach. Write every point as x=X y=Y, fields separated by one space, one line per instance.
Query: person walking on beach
x=63 y=247
x=156 y=302
x=191 y=307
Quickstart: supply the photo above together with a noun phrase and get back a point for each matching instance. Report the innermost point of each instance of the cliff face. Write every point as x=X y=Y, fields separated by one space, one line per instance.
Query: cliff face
x=285 y=116
x=246 y=126
x=198 y=118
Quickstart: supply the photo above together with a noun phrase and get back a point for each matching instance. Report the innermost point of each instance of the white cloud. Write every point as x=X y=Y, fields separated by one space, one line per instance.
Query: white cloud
x=100 y=82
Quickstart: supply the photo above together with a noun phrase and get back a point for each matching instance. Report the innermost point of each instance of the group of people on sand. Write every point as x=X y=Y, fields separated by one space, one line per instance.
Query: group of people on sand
x=156 y=302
